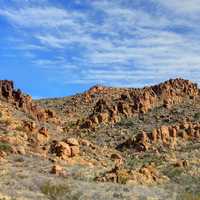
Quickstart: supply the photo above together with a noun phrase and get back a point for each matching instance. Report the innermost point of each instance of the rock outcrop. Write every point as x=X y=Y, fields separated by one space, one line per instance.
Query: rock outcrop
x=169 y=136
x=146 y=175
x=130 y=102
x=65 y=149
x=24 y=102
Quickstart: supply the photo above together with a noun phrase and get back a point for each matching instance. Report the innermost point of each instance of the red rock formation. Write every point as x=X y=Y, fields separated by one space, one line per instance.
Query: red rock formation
x=23 y=102
x=129 y=102
x=66 y=148
x=166 y=135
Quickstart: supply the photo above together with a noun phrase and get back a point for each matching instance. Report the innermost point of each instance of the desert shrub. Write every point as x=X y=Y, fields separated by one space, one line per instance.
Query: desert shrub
x=5 y=198
x=132 y=162
x=31 y=117
x=174 y=173
x=19 y=128
x=130 y=123
x=126 y=122
x=147 y=158
x=71 y=124
x=197 y=116
x=189 y=196
x=5 y=147
x=59 y=191
x=5 y=132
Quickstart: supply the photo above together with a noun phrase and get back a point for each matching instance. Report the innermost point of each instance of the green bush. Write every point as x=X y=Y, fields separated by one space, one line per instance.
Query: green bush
x=197 y=116
x=174 y=173
x=19 y=128
x=5 y=147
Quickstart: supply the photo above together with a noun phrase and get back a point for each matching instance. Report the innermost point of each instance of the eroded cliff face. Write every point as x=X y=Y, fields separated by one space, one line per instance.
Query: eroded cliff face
x=129 y=102
x=23 y=102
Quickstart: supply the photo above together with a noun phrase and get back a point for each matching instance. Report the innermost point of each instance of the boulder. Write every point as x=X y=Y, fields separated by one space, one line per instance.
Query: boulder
x=56 y=169
x=61 y=149
x=72 y=141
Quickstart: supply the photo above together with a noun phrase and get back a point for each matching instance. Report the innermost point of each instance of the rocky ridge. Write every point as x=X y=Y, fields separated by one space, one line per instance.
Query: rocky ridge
x=23 y=123
x=133 y=102
x=23 y=102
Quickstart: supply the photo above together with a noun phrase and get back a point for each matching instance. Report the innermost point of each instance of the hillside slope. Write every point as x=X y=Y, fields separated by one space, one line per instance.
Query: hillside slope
x=134 y=143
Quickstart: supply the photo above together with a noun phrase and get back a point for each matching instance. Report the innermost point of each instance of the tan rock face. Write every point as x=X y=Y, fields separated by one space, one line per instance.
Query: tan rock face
x=135 y=101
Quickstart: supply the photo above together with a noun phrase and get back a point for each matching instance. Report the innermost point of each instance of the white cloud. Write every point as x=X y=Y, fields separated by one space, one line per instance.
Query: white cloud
x=122 y=46
x=182 y=6
x=40 y=17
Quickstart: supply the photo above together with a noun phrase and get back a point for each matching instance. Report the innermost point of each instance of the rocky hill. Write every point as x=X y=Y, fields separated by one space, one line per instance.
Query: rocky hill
x=135 y=143
x=132 y=102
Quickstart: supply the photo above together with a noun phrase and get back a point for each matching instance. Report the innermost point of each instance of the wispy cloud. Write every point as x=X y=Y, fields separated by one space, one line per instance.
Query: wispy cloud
x=191 y=7
x=39 y=17
x=111 y=42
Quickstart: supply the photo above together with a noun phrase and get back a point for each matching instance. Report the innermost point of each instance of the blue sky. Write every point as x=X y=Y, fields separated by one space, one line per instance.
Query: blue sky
x=61 y=47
